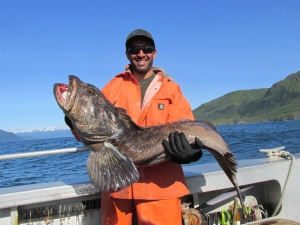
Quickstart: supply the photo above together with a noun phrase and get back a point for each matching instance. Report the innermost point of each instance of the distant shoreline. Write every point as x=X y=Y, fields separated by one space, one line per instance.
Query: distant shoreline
x=242 y=122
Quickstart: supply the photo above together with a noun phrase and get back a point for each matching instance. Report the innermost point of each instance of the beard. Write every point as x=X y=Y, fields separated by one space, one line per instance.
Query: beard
x=141 y=70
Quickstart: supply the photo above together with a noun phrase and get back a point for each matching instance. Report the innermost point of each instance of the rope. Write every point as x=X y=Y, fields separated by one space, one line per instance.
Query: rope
x=285 y=155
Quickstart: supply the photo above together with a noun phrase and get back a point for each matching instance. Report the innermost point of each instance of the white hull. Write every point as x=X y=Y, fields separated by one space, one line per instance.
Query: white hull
x=77 y=202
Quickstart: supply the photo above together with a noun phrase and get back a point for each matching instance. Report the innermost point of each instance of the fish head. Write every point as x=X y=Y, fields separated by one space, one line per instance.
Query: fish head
x=92 y=115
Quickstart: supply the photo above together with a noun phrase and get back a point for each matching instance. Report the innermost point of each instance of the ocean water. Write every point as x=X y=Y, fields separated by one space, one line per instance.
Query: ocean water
x=244 y=140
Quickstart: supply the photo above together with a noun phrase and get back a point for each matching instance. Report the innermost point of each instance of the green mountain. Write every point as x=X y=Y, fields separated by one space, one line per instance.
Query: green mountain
x=8 y=136
x=280 y=102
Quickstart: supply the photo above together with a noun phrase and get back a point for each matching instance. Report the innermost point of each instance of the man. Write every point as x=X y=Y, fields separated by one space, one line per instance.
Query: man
x=150 y=98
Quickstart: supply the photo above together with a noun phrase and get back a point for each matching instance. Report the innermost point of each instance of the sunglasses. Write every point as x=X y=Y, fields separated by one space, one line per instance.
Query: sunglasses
x=134 y=50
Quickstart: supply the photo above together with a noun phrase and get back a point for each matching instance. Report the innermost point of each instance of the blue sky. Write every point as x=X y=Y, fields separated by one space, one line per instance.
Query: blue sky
x=210 y=47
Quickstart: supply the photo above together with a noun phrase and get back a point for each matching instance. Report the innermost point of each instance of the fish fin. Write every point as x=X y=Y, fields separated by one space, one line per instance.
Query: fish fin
x=127 y=119
x=227 y=162
x=231 y=161
x=229 y=166
x=110 y=168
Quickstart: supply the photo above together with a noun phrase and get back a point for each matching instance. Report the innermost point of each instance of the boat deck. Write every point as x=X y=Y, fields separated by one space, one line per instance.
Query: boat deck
x=76 y=201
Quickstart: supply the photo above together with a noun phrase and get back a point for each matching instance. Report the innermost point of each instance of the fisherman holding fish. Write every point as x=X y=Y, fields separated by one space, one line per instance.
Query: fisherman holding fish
x=150 y=98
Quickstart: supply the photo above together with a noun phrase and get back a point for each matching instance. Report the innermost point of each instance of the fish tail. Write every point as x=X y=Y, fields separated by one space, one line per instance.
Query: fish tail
x=231 y=162
x=111 y=169
x=230 y=169
x=240 y=195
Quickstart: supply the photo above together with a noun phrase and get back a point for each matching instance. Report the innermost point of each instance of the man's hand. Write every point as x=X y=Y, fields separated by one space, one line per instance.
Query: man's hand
x=180 y=149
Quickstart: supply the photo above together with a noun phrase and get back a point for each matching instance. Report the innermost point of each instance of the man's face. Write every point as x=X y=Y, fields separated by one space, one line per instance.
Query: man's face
x=141 y=62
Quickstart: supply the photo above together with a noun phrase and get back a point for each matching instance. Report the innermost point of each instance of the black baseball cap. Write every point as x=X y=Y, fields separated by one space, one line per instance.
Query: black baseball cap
x=139 y=33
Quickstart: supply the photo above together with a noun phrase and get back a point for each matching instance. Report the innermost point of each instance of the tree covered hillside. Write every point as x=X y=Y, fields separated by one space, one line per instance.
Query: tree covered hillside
x=280 y=102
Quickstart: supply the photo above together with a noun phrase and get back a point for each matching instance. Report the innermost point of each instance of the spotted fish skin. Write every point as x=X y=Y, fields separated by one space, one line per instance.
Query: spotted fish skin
x=119 y=145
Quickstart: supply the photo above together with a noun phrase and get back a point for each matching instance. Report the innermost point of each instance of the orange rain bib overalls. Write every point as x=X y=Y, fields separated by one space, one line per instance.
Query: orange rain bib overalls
x=155 y=197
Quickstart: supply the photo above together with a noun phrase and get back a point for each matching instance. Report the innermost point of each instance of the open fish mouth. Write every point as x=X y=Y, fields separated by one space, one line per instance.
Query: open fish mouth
x=65 y=94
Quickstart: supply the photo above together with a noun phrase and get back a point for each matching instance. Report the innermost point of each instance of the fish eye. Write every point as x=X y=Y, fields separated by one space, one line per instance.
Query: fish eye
x=91 y=91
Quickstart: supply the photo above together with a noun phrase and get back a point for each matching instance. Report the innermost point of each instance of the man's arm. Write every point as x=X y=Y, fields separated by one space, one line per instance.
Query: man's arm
x=180 y=107
x=177 y=145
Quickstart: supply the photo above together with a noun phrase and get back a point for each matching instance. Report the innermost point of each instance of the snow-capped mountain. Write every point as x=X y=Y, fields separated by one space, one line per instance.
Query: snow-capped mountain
x=33 y=130
x=41 y=133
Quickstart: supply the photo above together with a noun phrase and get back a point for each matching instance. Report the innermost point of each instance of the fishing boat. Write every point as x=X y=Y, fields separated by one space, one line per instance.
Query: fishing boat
x=270 y=186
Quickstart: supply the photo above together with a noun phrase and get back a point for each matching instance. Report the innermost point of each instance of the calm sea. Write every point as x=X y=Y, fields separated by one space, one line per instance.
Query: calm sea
x=244 y=140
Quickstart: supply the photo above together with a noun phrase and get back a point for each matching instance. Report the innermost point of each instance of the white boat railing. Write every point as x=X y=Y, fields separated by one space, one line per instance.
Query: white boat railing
x=30 y=203
x=43 y=153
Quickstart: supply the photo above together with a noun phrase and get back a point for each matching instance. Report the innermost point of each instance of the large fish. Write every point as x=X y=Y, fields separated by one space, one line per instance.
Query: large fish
x=119 y=145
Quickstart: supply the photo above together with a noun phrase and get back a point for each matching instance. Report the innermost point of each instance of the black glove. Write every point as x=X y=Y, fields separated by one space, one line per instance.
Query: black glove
x=68 y=122
x=180 y=149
